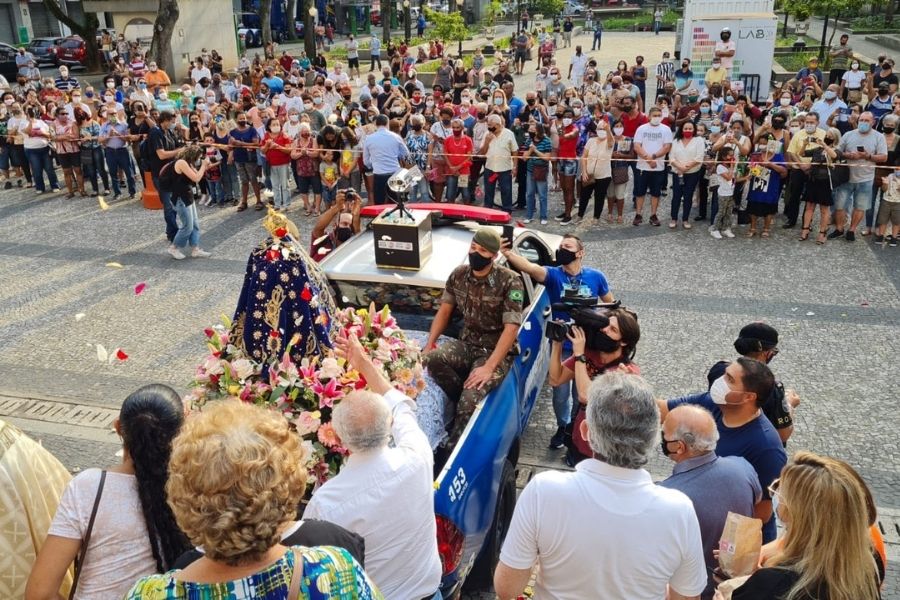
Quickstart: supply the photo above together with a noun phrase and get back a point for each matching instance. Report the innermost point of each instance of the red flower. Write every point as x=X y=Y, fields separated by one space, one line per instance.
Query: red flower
x=214 y=379
x=120 y=354
x=208 y=332
x=306 y=295
x=274 y=334
x=281 y=232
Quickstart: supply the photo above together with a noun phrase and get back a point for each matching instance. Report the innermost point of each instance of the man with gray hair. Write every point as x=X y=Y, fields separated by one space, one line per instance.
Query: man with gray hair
x=384 y=493
x=604 y=530
x=689 y=437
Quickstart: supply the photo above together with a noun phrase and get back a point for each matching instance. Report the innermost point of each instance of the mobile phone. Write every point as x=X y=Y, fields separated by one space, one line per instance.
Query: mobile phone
x=860 y=149
x=508 y=233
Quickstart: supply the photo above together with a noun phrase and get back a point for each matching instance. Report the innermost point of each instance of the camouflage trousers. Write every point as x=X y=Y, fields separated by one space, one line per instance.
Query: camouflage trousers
x=450 y=366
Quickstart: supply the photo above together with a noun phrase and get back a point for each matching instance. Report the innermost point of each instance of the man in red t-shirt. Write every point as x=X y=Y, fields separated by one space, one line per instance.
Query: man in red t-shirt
x=458 y=148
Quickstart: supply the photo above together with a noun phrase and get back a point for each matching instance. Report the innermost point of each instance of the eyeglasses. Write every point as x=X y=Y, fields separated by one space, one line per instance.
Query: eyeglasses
x=773 y=488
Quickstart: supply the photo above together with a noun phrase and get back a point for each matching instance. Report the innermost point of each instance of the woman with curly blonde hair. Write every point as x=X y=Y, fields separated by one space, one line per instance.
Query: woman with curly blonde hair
x=827 y=553
x=235 y=479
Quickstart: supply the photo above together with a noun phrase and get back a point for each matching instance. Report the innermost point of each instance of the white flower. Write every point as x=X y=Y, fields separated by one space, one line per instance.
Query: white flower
x=330 y=369
x=243 y=368
x=213 y=366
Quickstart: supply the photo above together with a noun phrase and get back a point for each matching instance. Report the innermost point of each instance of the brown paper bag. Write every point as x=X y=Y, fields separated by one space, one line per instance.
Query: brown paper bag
x=739 y=545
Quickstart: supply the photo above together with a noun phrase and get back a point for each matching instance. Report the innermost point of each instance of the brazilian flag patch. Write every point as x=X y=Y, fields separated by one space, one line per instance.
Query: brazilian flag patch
x=516 y=295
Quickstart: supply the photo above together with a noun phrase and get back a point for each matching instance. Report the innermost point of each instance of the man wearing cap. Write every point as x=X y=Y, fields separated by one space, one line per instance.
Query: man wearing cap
x=491 y=299
x=725 y=50
x=811 y=76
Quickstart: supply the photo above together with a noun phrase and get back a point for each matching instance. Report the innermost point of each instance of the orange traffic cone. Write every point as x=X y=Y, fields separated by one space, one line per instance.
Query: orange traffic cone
x=150 y=197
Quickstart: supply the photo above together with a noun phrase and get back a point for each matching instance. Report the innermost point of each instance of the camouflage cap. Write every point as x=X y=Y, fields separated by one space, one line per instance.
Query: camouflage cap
x=488 y=239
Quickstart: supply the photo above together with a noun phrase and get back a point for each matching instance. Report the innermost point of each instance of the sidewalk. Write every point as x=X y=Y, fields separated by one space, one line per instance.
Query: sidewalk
x=858 y=42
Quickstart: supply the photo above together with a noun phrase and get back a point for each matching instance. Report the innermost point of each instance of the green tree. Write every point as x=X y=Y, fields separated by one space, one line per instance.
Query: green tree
x=450 y=26
x=86 y=29
x=548 y=8
x=265 y=21
x=291 y=12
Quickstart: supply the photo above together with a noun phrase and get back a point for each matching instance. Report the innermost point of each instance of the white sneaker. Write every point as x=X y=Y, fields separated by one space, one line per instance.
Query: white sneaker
x=204 y=200
x=198 y=253
x=176 y=253
x=715 y=233
x=727 y=233
x=686 y=225
x=543 y=221
x=527 y=221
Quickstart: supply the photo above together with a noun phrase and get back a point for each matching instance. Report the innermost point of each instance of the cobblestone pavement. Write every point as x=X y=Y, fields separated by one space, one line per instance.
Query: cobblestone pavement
x=837 y=307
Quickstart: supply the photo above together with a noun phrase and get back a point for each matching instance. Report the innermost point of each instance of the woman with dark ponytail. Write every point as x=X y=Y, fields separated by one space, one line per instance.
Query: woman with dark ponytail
x=134 y=532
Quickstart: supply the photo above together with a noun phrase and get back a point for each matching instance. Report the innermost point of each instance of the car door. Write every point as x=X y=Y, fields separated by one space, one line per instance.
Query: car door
x=533 y=362
x=8 y=63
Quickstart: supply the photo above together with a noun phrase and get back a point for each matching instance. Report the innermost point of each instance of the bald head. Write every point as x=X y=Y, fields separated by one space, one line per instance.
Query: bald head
x=695 y=429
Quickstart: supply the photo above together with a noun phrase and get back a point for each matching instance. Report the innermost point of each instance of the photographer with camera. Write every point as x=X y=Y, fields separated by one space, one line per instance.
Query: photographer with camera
x=603 y=339
x=346 y=209
x=570 y=281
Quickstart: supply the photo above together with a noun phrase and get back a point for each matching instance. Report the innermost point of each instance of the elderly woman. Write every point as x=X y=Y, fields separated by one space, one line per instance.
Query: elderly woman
x=234 y=480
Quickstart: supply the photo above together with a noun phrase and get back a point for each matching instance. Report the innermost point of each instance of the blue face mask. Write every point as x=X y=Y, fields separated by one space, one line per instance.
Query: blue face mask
x=729 y=99
x=704 y=109
x=864 y=127
x=715 y=129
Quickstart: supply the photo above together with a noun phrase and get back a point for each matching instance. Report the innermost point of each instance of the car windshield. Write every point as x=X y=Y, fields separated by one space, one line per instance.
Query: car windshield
x=71 y=44
x=414 y=307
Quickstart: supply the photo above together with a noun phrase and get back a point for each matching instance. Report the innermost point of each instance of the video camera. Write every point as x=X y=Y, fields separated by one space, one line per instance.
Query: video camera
x=588 y=313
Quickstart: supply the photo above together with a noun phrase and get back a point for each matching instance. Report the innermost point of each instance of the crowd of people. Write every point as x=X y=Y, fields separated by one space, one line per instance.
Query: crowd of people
x=207 y=505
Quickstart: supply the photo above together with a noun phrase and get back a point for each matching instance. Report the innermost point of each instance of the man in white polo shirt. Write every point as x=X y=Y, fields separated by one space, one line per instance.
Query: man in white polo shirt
x=605 y=531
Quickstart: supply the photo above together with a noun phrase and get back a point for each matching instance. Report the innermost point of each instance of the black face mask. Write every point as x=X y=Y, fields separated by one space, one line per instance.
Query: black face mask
x=778 y=124
x=445 y=122
x=599 y=341
x=482 y=115
x=344 y=233
x=531 y=102
x=417 y=127
x=479 y=262
x=664 y=444
x=889 y=130
x=564 y=256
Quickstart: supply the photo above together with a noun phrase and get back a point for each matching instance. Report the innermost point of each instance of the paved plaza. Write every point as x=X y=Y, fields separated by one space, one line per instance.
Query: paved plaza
x=69 y=270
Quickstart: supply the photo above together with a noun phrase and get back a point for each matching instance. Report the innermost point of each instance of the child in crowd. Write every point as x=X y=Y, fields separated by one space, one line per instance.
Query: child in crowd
x=725 y=165
x=213 y=173
x=889 y=210
x=328 y=169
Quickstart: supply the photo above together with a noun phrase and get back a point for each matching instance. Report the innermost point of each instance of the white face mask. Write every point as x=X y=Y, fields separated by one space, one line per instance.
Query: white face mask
x=655 y=121
x=810 y=129
x=855 y=66
x=601 y=135
x=719 y=391
x=110 y=84
x=785 y=101
x=566 y=121
x=294 y=118
x=276 y=129
x=307 y=106
x=618 y=130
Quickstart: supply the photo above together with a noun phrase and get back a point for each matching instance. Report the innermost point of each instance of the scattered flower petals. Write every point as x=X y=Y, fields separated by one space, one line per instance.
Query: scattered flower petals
x=864 y=303
x=102 y=203
x=281 y=232
x=810 y=314
x=102 y=354
x=115 y=265
x=345 y=299
x=120 y=354
x=79 y=317
x=139 y=288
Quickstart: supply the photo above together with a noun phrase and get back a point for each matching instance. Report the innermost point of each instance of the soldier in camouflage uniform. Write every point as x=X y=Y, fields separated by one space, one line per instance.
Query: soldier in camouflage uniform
x=490 y=298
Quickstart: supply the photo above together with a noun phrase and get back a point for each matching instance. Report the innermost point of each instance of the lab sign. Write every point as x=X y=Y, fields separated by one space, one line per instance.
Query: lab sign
x=754 y=37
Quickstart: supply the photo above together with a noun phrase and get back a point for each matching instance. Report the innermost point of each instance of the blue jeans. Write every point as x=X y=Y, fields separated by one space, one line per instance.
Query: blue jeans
x=94 y=169
x=562 y=396
x=231 y=188
x=280 y=175
x=453 y=187
x=264 y=170
x=598 y=40
x=532 y=187
x=189 y=227
x=853 y=196
x=117 y=158
x=329 y=194
x=420 y=192
x=683 y=187
x=40 y=161
x=216 y=192
x=713 y=204
x=169 y=213
x=504 y=179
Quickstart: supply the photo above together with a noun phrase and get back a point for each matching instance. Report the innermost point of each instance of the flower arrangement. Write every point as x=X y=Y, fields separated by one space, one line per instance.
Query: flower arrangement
x=306 y=392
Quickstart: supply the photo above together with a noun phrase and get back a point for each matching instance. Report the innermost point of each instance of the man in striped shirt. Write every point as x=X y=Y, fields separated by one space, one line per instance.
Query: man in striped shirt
x=64 y=83
x=665 y=73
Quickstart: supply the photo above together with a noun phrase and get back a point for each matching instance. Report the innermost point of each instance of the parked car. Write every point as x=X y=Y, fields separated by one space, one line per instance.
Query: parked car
x=72 y=51
x=8 y=66
x=573 y=9
x=44 y=50
x=475 y=489
x=375 y=17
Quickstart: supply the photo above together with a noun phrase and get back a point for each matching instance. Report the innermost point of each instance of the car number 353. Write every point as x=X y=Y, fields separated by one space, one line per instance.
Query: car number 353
x=458 y=485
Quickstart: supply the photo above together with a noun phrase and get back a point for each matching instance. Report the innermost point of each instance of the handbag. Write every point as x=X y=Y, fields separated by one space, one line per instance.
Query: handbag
x=620 y=175
x=79 y=560
x=539 y=172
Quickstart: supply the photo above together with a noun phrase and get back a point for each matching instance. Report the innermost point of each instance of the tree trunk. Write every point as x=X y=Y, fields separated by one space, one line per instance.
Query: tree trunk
x=291 y=16
x=451 y=6
x=265 y=18
x=309 y=34
x=163 y=28
x=386 y=10
x=87 y=31
x=889 y=12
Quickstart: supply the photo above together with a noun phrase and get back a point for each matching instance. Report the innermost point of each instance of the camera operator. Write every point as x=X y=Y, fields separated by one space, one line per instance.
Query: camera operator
x=346 y=208
x=569 y=278
x=597 y=349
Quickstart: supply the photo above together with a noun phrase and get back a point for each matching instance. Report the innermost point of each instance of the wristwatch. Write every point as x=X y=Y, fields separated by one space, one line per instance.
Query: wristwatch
x=581 y=358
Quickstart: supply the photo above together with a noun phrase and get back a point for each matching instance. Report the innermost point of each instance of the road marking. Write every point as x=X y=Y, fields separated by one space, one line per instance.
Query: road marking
x=58 y=412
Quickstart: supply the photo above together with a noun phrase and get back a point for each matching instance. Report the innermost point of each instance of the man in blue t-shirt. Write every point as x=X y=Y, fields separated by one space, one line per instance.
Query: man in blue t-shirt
x=573 y=277
x=734 y=401
x=244 y=139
